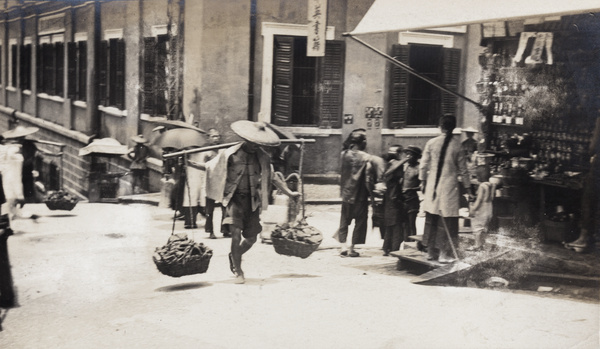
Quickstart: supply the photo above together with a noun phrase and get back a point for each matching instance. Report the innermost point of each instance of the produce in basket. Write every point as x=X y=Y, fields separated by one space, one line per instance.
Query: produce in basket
x=299 y=240
x=182 y=256
x=300 y=231
x=60 y=200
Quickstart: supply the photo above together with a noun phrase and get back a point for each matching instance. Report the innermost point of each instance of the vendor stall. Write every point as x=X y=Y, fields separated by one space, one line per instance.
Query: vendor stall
x=537 y=84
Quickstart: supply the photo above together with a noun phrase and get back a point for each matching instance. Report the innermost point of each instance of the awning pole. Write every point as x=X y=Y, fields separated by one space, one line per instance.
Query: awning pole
x=414 y=72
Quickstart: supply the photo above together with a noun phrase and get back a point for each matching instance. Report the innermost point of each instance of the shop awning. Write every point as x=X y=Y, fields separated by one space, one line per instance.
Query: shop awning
x=401 y=15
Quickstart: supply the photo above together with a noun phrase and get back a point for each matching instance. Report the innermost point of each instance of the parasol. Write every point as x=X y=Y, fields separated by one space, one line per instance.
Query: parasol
x=104 y=147
x=180 y=138
x=170 y=124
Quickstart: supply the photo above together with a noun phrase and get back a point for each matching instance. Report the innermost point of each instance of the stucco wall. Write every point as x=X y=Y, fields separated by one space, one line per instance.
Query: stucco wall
x=216 y=64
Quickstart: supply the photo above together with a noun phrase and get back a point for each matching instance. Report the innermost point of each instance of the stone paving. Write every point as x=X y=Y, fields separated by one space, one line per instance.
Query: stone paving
x=85 y=279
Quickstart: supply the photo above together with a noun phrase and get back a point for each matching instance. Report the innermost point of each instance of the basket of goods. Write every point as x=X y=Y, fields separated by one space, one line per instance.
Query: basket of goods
x=182 y=256
x=60 y=200
x=298 y=240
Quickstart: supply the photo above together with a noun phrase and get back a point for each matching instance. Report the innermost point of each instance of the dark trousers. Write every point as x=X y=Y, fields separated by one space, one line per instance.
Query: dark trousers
x=210 y=210
x=393 y=237
x=359 y=213
x=435 y=236
x=7 y=295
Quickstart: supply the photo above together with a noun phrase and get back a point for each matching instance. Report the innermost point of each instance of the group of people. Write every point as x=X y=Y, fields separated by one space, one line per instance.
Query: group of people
x=439 y=172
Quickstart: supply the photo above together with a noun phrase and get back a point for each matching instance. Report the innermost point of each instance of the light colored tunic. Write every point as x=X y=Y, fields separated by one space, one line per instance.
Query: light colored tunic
x=447 y=200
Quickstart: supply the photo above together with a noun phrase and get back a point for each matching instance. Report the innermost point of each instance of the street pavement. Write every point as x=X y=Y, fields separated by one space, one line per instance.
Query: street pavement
x=85 y=279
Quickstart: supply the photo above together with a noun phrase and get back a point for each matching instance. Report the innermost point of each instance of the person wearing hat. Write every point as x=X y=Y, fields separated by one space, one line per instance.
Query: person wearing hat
x=18 y=135
x=240 y=178
x=359 y=173
x=393 y=214
x=469 y=145
x=138 y=155
x=410 y=187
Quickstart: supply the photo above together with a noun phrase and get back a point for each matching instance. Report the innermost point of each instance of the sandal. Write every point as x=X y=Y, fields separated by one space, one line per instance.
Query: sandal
x=353 y=254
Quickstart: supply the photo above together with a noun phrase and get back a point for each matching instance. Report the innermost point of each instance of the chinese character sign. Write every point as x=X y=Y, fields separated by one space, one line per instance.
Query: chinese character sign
x=317 y=24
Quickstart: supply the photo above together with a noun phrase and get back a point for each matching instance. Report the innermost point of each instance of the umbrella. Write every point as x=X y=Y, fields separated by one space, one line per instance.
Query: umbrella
x=180 y=138
x=104 y=147
x=170 y=124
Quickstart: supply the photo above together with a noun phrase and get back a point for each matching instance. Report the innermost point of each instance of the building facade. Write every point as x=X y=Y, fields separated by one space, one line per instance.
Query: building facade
x=108 y=69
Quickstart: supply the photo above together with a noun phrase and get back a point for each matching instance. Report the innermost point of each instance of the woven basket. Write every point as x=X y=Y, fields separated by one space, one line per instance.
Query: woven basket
x=65 y=205
x=293 y=248
x=194 y=264
x=182 y=256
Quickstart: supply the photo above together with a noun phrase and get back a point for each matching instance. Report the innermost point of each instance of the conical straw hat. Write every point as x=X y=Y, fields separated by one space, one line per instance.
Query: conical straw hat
x=256 y=132
x=19 y=131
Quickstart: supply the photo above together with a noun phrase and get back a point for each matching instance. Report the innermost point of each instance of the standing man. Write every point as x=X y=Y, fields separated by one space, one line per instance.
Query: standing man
x=240 y=178
x=138 y=155
x=359 y=172
x=469 y=145
x=214 y=138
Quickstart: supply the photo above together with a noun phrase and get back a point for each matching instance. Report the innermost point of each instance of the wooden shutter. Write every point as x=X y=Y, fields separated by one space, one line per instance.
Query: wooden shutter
x=119 y=82
x=149 y=102
x=13 y=67
x=82 y=73
x=331 y=87
x=25 y=69
x=39 y=68
x=451 y=75
x=398 y=105
x=48 y=60
x=283 y=69
x=101 y=68
x=59 y=72
x=72 y=70
x=160 y=75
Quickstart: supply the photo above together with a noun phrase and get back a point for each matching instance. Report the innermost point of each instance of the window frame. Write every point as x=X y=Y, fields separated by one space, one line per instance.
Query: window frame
x=111 y=64
x=400 y=85
x=326 y=92
x=50 y=65
x=77 y=52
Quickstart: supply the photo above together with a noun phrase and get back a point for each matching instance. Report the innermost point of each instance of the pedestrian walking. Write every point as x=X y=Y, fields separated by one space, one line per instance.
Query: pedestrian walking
x=441 y=164
x=138 y=155
x=11 y=193
x=18 y=135
x=240 y=178
x=359 y=173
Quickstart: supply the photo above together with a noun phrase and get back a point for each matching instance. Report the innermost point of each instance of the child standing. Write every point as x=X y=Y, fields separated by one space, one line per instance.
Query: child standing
x=410 y=188
x=480 y=212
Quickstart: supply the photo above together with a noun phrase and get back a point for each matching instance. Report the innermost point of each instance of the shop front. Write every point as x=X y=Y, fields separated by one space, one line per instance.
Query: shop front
x=536 y=98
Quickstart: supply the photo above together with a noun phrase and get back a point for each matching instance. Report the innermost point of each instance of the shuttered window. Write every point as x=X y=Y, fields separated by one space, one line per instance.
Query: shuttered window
x=155 y=75
x=77 y=70
x=25 y=69
x=50 y=68
x=307 y=91
x=413 y=101
x=13 y=66
x=111 y=73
